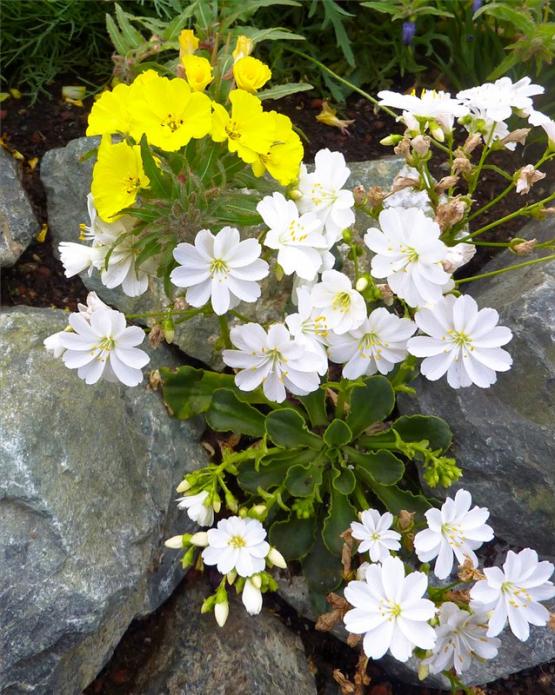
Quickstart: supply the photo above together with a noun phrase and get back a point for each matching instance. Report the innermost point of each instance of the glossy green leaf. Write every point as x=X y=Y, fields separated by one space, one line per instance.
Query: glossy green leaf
x=293 y=537
x=272 y=470
x=337 y=434
x=370 y=403
x=415 y=428
x=286 y=428
x=315 y=406
x=228 y=414
x=302 y=479
x=395 y=499
x=188 y=391
x=321 y=569
x=382 y=466
x=341 y=513
x=344 y=482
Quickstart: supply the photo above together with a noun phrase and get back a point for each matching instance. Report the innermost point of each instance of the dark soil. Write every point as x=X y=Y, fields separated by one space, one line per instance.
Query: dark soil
x=38 y=280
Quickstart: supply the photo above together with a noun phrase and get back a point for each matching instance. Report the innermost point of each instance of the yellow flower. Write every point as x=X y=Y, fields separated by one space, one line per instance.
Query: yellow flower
x=188 y=42
x=198 y=72
x=117 y=177
x=283 y=159
x=169 y=113
x=251 y=74
x=248 y=131
x=243 y=48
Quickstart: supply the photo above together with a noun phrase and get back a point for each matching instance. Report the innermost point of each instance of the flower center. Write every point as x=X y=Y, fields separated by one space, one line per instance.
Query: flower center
x=453 y=533
x=132 y=183
x=172 y=122
x=237 y=542
x=295 y=233
x=319 y=195
x=460 y=339
x=390 y=609
x=107 y=344
x=410 y=253
x=218 y=266
x=370 y=341
x=375 y=536
x=341 y=302
x=232 y=130
x=517 y=597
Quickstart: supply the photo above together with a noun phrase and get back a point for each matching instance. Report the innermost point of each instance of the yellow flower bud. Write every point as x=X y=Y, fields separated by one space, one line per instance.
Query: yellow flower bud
x=188 y=42
x=198 y=72
x=251 y=74
x=243 y=48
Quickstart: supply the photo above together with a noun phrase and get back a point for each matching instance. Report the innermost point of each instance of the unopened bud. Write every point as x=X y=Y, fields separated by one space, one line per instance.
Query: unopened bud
x=391 y=140
x=199 y=539
x=231 y=576
x=276 y=558
x=445 y=183
x=231 y=502
x=175 y=542
x=421 y=144
x=359 y=194
x=168 y=329
x=423 y=671
x=216 y=503
x=183 y=486
x=256 y=580
x=347 y=235
x=221 y=612
x=361 y=284
x=523 y=247
x=295 y=194
x=188 y=559
x=259 y=510
x=437 y=132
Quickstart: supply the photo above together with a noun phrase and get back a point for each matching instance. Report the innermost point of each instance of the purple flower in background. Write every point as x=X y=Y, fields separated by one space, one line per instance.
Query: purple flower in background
x=409 y=30
x=476 y=4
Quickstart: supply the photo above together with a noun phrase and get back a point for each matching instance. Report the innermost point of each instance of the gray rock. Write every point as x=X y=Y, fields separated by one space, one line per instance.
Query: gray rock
x=513 y=655
x=504 y=436
x=18 y=224
x=87 y=488
x=67 y=179
x=250 y=654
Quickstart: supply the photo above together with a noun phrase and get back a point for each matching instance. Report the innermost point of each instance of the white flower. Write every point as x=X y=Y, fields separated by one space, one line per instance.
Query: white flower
x=252 y=596
x=498 y=99
x=272 y=359
x=76 y=258
x=376 y=534
x=376 y=345
x=540 y=119
x=219 y=267
x=361 y=571
x=323 y=193
x=409 y=253
x=197 y=509
x=104 y=347
x=390 y=611
x=221 y=612
x=343 y=307
x=93 y=303
x=462 y=341
x=455 y=528
x=54 y=345
x=430 y=108
x=458 y=255
x=515 y=592
x=460 y=634
x=309 y=328
x=237 y=544
x=490 y=129
x=298 y=239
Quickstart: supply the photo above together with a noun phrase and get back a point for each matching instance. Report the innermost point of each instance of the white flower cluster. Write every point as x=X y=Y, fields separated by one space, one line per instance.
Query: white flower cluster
x=390 y=610
x=483 y=109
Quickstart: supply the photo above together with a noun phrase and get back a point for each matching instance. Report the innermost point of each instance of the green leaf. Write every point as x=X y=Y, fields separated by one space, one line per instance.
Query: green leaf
x=284 y=90
x=293 y=537
x=344 y=482
x=370 y=403
x=158 y=183
x=286 y=428
x=115 y=36
x=270 y=474
x=341 y=513
x=382 y=466
x=315 y=406
x=188 y=391
x=129 y=33
x=302 y=479
x=321 y=569
x=337 y=434
x=499 y=10
x=415 y=428
x=270 y=34
x=395 y=499
x=228 y=414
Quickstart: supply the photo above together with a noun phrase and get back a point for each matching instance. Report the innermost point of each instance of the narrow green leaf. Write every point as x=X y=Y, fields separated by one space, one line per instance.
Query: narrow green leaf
x=284 y=90
x=115 y=36
x=158 y=183
x=286 y=428
x=130 y=34
x=227 y=413
x=370 y=403
x=382 y=466
x=338 y=433
x=293 y=537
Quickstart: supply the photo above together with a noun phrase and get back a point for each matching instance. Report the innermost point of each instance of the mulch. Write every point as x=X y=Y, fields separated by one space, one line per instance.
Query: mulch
x=38 y=280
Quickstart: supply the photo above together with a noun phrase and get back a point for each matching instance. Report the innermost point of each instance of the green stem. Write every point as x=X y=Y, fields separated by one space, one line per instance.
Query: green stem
x=224 y=331
x=516 y=266
x=166 y=312
x=242 y=317
x=517 y=213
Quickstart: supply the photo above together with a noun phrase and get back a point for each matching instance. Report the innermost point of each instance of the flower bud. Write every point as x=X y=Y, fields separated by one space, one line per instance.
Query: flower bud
x=436 y=131
x=523 y=247
x=231 y=576
x=252 y=596
x=295 y=194
x=175 y=542
x=221 y=612
x=168 y=329
x=200 y=539
x=231 y=502
x=445 y=183
x=359 y=194
x=276 y=558
x=257 y=512
x=187 y=559
x=361 y=284
x=347 y=236
x=183 y=486
x=216 y=502
x=391 y=140
x=423 y=671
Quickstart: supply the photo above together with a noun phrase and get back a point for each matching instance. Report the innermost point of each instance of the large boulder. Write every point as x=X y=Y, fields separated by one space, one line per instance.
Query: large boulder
x=250 y=654
x=18 y=224
x=87 y=488
x=504 y=436
x=66 y=176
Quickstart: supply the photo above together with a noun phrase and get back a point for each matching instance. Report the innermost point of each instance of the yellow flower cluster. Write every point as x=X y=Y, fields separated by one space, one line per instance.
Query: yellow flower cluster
x=171 y=112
